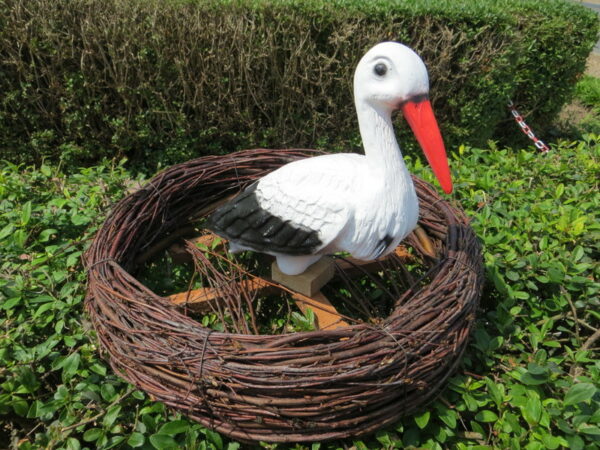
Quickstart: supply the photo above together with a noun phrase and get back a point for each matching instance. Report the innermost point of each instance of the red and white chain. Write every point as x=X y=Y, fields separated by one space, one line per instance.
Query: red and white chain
x=525 y=128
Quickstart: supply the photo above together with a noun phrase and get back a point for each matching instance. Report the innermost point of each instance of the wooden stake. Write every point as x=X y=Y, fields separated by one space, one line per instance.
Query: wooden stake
x=425 y=242
x=326 y=316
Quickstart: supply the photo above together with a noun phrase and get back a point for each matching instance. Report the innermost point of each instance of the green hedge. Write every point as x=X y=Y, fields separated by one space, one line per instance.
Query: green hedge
x=162 y=81
x=529 y=379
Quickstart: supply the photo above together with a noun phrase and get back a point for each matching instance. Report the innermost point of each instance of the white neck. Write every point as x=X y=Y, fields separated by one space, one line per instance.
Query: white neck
x=379 y=141
x=385 y=162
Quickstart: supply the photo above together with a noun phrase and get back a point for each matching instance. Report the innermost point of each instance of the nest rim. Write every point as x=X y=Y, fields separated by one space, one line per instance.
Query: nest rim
x=298 y=387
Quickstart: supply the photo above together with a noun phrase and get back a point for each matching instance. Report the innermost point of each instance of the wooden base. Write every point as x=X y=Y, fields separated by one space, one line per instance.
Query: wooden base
x=308 y=282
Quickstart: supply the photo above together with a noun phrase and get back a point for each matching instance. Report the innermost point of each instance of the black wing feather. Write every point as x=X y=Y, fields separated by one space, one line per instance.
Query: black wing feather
x=243 y=221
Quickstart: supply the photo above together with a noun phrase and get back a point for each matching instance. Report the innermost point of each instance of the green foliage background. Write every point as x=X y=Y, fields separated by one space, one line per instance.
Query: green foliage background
x=162 y=81
x=530 y=378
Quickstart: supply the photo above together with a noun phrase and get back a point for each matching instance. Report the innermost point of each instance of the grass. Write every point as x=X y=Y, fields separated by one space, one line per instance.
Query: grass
x=588 y=92
x=529 y=379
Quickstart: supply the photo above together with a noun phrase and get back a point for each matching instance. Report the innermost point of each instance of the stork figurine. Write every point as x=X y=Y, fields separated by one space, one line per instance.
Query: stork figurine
x=360 y=204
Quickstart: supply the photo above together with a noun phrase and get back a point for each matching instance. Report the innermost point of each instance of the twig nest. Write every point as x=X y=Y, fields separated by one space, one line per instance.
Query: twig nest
x=306 y=386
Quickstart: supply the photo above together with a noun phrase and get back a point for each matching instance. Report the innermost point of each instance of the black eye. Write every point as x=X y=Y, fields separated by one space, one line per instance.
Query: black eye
x=380 y=69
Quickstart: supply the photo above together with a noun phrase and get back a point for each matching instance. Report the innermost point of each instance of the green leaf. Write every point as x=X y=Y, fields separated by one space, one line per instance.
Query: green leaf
x=175 y=427
x=107 y=391
x=215 y=438
x=114 y=441
x=6 y=231
x=532 y=412
x=98 y=368
x=19 y=238
x=61 y=393
x=556 y=275
x=449 y=417
x=422 y=420
x=411 y=437
x=73 y=444
x=10 y=303
x=470 y=402
x=20 y=406
x=534 y=445
x=162 y=441
x=486 y=416
x=532 y=379
x=73 y=259
x=70 y=365
x=79 y=219
x=590 y=430
x=536 y=369
x=93 y=434
x=384 y=439
x=26 y=213
x=575 y=442
x=495 y=392
x=45 y=170
x=28 y=380
x=111 y=415
x=578 y=253
x=46 y=234
x=551 y=442
x=136 y=439
x=579 y=392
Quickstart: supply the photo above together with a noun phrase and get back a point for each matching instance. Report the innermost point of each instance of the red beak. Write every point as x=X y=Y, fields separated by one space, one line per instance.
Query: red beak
x=419 y=115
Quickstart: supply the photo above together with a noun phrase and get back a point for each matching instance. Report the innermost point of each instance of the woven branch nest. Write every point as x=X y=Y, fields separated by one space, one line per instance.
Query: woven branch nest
x=305 y=386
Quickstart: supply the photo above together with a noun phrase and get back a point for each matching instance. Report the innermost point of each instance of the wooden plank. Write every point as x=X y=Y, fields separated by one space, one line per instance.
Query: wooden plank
x=326 y=316
x=203 y=299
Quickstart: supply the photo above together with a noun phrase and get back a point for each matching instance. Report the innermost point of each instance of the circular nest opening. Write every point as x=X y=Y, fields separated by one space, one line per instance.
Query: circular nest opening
x=403 y=326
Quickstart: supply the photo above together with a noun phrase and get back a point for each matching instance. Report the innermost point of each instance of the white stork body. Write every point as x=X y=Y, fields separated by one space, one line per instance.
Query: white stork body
x=360 y=204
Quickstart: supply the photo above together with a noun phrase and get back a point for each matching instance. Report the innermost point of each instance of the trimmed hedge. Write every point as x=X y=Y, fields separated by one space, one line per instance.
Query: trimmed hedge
x=162 y=81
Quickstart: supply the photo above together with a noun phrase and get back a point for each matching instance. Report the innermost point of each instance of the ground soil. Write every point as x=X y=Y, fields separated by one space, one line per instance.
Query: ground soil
x=573 y=113
x=593 y=64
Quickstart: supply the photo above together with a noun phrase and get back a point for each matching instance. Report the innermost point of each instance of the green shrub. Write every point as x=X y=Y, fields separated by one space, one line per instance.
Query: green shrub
x=557 y=39
x=162 y=81
x=529 y=379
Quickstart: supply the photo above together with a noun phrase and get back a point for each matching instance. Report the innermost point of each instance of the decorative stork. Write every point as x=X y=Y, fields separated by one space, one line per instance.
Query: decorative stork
x=360 y=204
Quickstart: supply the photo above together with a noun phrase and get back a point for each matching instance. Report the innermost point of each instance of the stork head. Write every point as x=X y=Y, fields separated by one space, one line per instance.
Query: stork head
x=390 y=76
